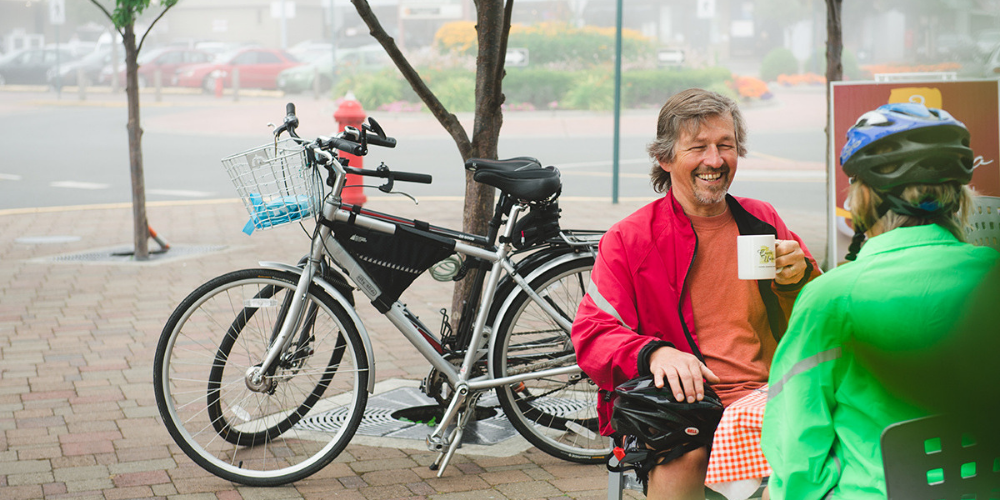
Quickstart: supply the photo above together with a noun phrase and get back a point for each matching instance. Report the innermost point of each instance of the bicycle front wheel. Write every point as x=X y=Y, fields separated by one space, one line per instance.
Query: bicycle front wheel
x=556 y=414
x=260 y=429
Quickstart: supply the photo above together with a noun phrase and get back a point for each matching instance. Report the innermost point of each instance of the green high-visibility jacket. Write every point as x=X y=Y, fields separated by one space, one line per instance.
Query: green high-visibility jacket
x=826 y=409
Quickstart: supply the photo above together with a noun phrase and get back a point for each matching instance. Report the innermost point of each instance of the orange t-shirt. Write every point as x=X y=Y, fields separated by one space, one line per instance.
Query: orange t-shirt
x=730 y=320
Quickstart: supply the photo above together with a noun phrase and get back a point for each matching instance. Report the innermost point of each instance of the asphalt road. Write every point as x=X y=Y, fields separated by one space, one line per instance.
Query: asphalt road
x=63 y=153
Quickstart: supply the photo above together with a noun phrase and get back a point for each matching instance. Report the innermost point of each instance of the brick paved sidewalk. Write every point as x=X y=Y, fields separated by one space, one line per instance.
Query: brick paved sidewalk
x=77 y=412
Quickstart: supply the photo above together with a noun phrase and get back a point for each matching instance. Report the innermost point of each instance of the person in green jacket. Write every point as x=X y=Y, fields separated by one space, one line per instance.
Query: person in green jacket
x=903 y=293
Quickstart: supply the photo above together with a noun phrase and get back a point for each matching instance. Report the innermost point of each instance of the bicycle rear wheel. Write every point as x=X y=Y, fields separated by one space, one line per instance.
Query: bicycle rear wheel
x=284 y=427
x=556 y=414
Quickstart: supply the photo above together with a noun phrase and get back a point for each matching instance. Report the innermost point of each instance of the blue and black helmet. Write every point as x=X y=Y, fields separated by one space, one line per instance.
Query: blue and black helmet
x=907 y=143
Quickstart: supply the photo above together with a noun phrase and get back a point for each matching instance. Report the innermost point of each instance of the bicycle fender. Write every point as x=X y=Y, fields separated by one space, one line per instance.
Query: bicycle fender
x=530 y=263
x=339 y=297
x=568 y=257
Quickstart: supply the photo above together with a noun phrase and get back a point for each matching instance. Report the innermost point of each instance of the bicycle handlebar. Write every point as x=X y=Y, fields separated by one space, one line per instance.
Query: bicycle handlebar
x=385 y=173
x=386 y=142
x=354 y=141
x=344 y=145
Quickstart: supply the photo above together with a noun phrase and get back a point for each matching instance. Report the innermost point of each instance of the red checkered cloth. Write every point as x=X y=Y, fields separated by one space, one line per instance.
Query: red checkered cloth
x=736 y=450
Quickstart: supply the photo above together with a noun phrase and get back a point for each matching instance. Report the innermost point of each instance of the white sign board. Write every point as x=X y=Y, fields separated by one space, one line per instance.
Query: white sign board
x=706 y=9
x=670 y=57
x=516 y=57
x=289 y=9
x=57 y=12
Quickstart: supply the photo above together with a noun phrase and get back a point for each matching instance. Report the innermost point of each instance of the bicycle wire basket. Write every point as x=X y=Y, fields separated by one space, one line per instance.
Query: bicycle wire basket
x=276 y=183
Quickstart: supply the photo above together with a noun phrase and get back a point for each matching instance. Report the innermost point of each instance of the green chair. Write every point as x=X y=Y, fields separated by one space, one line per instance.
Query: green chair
x=985 y=222
x=940 y=458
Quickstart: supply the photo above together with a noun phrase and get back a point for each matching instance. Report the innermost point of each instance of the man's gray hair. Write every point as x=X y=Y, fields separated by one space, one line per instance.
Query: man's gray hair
x=686 y=111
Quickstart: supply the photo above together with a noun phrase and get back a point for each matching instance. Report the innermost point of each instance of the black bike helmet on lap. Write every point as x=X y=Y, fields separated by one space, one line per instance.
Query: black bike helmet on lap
x=651 y=416
x=654 y=416
x=900 y=144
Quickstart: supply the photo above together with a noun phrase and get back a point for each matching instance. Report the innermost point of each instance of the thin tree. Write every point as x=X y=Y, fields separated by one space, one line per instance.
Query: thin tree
x=123 y=18
x=492 y=31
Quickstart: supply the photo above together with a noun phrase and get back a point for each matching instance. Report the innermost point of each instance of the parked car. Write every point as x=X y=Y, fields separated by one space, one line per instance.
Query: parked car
x=166 y=60
x=987 y=40
x=957 y=48
x=309 y=51
x=90 y=65
x=29 y=66
x=258 y=68
x=991 y=68
x=349 y=61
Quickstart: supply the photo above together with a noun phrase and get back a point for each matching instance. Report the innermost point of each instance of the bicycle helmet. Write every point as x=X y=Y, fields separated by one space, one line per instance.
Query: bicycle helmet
x=900 y=144
x=654 y=416
x=907 y=143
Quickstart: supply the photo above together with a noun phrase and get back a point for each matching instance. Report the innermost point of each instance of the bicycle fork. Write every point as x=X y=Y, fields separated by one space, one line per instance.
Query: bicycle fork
x=257 y=376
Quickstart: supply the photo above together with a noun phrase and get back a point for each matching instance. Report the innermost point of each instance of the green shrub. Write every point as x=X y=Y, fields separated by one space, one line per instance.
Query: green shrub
x=456 y=90
x=581 y=47
x=586 y=90
x=540 y=87
x=374 y=89
x=650 y=88
x=779 y=61
x=553 y=43
x=724 y=89
x=594 y=91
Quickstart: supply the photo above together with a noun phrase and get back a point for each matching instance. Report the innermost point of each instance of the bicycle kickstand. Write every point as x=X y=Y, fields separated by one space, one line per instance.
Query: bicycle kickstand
x=456 y=440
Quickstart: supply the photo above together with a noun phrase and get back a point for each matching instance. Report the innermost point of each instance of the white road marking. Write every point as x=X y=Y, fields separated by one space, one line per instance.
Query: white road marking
x=180 y=192
x=79 y=185
x=9 y=177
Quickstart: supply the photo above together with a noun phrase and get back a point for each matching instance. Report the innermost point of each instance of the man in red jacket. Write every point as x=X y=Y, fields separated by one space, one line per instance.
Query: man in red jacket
x=664 y=297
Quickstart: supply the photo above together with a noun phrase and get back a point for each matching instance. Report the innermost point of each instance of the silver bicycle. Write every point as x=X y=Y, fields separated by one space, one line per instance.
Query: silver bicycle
x=262 y=375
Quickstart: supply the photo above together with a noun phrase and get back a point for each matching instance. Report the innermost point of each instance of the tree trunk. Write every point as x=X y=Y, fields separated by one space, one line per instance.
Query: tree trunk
x=140 y=224
x=834 y=73
x=492 y=27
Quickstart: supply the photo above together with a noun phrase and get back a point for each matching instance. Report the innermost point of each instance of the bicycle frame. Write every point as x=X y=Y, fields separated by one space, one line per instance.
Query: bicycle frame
x=324 y=243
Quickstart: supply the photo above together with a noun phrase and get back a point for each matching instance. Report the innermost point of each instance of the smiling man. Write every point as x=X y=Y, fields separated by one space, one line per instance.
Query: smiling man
x=665 y=299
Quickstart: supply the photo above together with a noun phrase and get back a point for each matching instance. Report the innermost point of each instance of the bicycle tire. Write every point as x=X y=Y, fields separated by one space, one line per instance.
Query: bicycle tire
x=311 y=404
x=558 y=415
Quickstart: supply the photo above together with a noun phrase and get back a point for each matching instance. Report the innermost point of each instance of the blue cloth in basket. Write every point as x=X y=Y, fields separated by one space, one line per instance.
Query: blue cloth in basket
x=277 y=211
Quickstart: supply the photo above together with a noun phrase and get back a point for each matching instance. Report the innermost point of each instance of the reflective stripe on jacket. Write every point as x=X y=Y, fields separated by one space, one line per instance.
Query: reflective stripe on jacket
x=637 y=296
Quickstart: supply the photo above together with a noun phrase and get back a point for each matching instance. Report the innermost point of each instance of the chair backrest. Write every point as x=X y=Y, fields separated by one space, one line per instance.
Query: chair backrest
x=939 y=458
x=985 y=222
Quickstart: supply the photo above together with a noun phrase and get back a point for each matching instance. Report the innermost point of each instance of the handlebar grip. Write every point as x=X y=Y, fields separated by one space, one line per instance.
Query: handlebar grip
x=412 y=177
x=345 y=146
x=386 y=142
x=385 y=173
x=290 y=109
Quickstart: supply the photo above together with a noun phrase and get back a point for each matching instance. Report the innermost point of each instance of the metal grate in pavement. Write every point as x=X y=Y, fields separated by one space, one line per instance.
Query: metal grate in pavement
x=378 y=420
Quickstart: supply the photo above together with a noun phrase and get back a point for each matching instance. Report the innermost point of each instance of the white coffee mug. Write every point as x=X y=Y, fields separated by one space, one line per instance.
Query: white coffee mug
x=755 y=256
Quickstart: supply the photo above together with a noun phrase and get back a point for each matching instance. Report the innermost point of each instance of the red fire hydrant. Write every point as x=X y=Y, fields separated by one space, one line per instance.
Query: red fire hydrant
x=218 y=85
x=350 y=113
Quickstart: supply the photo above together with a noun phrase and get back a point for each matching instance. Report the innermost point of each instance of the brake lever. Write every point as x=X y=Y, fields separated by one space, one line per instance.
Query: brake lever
x=373 y=126
x=387 y=187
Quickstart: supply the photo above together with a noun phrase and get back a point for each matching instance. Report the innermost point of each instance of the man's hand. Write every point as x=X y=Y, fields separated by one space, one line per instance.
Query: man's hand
x=789 y=262
x=684 y=372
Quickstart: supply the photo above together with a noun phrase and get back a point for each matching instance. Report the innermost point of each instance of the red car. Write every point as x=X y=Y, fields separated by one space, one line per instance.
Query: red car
x=165 y=59
x=258 y=69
